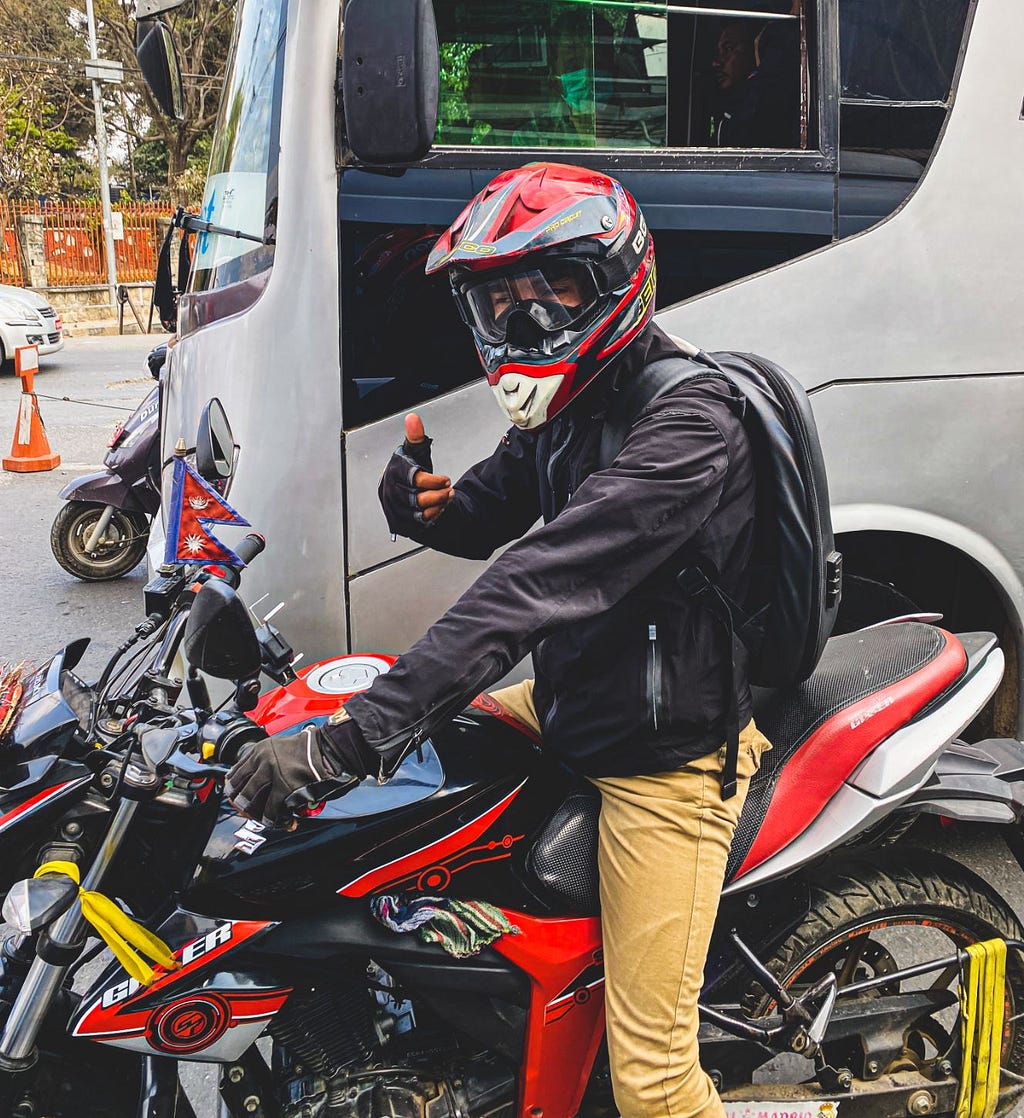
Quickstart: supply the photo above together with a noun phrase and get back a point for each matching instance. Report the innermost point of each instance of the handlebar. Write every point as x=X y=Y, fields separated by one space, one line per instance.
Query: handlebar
x=250 y=547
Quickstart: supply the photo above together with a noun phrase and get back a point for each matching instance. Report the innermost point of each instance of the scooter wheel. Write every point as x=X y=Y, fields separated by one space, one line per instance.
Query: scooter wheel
x=121 y=550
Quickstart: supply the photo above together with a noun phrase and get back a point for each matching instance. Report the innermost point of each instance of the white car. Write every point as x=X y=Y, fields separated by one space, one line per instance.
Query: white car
x=27 y=319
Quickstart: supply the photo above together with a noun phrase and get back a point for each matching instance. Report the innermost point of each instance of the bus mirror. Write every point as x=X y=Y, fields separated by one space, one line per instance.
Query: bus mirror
x=390 y=79
x=158 y=60
x=215 y=445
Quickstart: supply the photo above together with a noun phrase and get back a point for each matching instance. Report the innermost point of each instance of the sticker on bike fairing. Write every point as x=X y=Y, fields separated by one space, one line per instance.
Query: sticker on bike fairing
x=781 y=1109
x=347 y=675
x=249 y=836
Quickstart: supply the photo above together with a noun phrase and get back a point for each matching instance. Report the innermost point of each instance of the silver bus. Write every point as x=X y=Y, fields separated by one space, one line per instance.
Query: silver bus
x=833 y=183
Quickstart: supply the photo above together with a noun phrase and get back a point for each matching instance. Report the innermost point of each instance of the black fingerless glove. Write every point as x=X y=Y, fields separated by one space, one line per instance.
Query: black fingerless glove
x=396 y=491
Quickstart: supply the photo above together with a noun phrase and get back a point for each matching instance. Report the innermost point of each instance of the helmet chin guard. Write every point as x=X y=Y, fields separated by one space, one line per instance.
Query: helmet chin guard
x=552 y=267
x=526 y=399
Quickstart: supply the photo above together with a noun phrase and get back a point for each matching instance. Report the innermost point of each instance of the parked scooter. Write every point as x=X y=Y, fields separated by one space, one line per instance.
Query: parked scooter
x=102 y=532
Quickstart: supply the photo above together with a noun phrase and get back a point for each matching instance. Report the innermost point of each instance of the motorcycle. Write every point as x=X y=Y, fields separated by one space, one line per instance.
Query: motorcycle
x=831 y=984
x=102 y=532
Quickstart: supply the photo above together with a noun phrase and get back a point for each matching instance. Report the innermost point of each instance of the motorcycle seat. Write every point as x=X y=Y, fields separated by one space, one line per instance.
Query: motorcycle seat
x=866 y=686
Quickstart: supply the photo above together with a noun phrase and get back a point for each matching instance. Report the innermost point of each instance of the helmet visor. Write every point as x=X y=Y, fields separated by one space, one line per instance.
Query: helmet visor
x=556 y=294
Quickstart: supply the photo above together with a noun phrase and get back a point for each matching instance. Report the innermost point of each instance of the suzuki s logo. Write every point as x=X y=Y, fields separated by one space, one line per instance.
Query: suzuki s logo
x=249 y=835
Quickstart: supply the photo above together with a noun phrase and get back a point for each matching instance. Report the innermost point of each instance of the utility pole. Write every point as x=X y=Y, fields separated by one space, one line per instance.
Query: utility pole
x=101 y=151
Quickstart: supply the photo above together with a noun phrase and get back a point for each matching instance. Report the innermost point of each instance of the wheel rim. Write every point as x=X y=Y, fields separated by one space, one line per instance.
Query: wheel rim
x=862 y=952
x=120 y=537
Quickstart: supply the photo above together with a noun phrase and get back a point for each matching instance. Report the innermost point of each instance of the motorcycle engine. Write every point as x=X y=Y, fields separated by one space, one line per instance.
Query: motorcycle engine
x=399 y=1093
x=341 y=1052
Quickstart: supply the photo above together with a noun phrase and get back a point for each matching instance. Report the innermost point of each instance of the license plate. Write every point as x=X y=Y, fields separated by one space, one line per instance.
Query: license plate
x=778 y=1109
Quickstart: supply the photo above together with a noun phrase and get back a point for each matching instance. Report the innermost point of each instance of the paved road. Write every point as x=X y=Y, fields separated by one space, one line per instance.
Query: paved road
x=42 y=607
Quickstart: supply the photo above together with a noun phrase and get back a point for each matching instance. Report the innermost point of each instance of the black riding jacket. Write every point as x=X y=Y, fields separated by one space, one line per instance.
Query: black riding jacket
x=631 y=675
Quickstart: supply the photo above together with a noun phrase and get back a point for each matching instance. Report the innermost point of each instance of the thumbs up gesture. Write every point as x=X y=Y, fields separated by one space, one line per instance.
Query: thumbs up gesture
x=433 y=491
x=411 y=494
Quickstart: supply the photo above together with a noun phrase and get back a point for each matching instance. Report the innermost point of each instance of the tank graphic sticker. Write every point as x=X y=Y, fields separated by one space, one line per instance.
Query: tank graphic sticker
x=427 y=863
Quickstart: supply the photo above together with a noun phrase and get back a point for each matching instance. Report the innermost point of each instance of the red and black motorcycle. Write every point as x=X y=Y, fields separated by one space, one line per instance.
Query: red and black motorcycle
x=831 y=986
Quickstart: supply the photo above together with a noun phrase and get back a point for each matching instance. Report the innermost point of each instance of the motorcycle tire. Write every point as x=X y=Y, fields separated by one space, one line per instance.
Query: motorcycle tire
x=861 y=916
x=123 y=548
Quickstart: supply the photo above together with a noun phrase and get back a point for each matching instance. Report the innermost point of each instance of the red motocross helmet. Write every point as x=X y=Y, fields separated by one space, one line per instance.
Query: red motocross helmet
x=552 y=267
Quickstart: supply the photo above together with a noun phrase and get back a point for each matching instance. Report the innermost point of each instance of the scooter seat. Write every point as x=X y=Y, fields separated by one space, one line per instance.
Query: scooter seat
x=866 y=686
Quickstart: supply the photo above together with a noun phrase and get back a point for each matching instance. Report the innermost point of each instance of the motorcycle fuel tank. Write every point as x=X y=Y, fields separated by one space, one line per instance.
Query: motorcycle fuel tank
x=458 y=818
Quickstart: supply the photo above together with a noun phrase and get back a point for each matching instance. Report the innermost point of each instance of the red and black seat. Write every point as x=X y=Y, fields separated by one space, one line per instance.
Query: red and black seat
x=866 y=686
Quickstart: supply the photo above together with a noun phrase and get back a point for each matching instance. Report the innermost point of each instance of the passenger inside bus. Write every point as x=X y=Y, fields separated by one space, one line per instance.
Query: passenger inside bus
x=756 y=69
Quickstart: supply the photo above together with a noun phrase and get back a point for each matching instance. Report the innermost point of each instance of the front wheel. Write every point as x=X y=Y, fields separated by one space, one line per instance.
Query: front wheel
x=871 y=919
x=120 y=549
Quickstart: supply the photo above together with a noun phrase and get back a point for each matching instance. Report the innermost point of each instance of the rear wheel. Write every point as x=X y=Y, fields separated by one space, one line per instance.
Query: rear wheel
x=120 y=549
x=868 y=920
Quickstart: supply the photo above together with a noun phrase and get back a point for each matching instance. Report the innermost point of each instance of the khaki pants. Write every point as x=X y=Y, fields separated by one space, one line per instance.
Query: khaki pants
x=663 y=845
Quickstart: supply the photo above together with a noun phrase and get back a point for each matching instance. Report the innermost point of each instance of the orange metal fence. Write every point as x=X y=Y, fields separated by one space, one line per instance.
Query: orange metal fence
x=10 y=258
x=73 y=241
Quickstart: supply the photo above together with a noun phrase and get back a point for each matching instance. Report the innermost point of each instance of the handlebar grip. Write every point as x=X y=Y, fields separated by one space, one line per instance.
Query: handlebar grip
x=250 y=547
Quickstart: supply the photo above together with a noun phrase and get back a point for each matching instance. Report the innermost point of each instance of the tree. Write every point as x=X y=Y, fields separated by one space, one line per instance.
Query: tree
x=44 y=124
x=46 y=109
x=202 y=31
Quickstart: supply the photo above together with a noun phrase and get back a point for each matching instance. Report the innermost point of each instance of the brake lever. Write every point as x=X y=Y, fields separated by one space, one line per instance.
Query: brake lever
x=181 y=764
x=319 y=792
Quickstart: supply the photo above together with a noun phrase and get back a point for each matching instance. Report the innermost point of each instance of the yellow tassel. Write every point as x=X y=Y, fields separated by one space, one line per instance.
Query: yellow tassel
x=982 y=1008
x=125 y=937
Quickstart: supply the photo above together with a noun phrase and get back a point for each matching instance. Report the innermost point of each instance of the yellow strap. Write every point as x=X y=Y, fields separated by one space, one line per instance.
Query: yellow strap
x=982 y=1008
x=124 y=936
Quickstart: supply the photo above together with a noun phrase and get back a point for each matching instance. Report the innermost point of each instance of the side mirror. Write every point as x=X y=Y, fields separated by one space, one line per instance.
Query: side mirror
x=215 y=445
x=158 y=60
x=37 y=901
x=219 y=637
x=390 y=77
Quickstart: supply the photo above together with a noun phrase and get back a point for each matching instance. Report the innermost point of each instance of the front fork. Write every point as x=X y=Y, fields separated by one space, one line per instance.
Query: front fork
x=59 y=947
x=93 y=539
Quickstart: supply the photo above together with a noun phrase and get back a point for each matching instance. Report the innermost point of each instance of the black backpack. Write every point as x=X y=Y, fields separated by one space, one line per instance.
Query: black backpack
x=796 y=576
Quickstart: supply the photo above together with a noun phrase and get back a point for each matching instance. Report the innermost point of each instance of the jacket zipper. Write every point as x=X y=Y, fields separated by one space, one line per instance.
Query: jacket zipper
x=653 y=673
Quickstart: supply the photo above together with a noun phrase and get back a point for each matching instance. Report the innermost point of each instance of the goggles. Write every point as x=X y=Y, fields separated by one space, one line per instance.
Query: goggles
x=523 y=305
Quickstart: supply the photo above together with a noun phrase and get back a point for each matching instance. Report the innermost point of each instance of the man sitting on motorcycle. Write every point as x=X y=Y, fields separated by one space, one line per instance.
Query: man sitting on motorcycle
x=553 y=270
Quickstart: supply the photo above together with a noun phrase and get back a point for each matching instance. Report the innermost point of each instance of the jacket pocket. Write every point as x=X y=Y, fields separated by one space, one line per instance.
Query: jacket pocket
x=654 y=699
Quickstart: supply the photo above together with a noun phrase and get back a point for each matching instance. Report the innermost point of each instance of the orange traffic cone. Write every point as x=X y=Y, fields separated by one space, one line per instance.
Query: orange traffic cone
x=30 y=450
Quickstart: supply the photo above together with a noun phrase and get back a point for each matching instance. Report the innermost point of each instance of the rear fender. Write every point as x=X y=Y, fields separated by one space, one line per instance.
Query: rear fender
x=979 y=783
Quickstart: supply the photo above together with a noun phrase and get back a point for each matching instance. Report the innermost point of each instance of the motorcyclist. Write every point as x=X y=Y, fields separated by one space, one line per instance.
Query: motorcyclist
x=553 y=269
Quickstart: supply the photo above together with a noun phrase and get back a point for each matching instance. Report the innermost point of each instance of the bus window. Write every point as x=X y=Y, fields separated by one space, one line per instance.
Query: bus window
x=402 y=339
x=608 y=74
x=897 y=62
x=241 y=189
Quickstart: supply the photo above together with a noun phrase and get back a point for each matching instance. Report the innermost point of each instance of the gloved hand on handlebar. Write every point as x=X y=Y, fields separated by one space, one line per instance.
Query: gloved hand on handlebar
x=271 y=770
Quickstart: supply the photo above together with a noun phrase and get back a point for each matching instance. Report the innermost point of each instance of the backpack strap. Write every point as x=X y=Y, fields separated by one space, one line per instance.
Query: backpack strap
x=648 y=385
x=628 y=402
